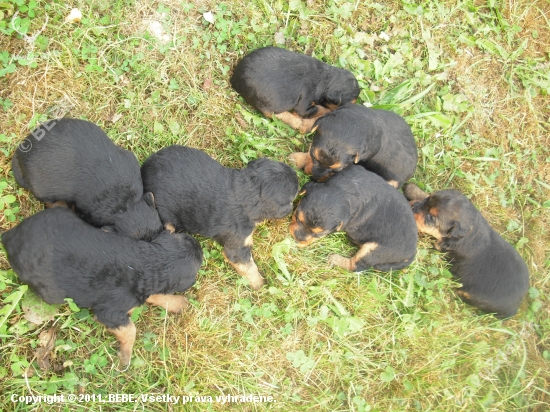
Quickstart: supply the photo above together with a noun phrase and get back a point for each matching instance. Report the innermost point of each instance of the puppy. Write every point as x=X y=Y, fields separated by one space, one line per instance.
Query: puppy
x=196 y=194
x=61 y=256
x=379 y=140
x=375 y=216
x=494 y=277
x=74 y=162
x=293 y=87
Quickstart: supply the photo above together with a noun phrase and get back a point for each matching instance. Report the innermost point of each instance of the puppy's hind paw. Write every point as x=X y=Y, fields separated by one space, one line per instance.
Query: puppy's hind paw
x=340 y=261
x=300 y=159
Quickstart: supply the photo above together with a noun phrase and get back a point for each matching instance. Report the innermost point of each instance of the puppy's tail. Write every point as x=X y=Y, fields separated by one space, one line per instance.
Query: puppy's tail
x=16 y=169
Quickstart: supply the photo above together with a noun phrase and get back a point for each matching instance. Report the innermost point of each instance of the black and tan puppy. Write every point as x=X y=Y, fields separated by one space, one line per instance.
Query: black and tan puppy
x=61 y=256
x=375 y=216
x=195 y=193
x=379 y=140
x=74 y=161
x=494 y=277
x=292 y=87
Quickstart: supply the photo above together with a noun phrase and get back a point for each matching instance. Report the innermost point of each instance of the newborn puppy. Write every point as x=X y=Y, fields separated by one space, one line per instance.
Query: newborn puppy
x=293 y=87
x=494 y=277
x=61 y=256
x=196 y=194
x=375 y=216
x=73 y=161
x=379 y=140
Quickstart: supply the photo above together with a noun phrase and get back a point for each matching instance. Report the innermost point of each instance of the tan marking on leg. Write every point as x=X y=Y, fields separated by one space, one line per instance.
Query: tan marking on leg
x=291 y=119
x=393 y=183
x=351 y=263
x=170 y=227
x=250 y=271
x=59 y=203
x=172 y=303
x=126 y=336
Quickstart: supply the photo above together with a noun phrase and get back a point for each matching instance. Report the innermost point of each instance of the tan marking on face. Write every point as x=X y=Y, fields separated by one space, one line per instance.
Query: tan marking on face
x=351 y=263
x=332 y=106
x=170 y=227
x=303 y=243
x=422 y=228
x=301 y=217
x=433 y=211
x=250 y=271
x=317 y=230
x=291 y=119
x=171 y=303
x=336 y=165
x=126 y=336
x=357 y=158
x=393 y=183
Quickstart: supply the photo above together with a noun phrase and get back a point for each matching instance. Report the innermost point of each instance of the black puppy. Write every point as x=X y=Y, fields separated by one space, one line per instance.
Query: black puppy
x=293 y=87
x=375 y=216
x=61 y=256
x=494 y=277
x=73 y=161
x=196 y=194
x=379 y=140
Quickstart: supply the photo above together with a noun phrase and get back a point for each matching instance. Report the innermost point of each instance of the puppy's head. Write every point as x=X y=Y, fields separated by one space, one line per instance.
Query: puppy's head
x=140 y=220
x=181 y=258
x=342 y=88
x=335 y=145
x=321 y=211
x=277 y=184
x=446 y=215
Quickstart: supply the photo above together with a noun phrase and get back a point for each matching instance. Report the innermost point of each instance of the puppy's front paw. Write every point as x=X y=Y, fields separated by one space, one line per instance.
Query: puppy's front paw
x=257 y=283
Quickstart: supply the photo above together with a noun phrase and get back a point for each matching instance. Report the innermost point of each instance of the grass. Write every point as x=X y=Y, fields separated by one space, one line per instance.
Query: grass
x=472 y=80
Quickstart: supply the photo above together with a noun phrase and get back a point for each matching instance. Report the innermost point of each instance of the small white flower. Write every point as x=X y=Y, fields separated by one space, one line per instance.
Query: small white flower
x=384 y=36
x=74 y=16
x=209 y=17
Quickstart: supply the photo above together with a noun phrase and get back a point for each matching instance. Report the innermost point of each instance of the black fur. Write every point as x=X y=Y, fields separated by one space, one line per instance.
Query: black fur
x=197 y=194
x=379 y=140
x=276 y=80
x=369 y=210
x=494 y=277
x=61 y=256
x=74 y=161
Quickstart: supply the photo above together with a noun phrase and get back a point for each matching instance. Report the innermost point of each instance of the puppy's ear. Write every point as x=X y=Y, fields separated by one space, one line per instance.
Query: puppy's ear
x=149 y=199
x=457 y=230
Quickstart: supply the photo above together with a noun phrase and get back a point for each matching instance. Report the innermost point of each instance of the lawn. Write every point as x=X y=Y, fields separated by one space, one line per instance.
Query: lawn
x=472 y=79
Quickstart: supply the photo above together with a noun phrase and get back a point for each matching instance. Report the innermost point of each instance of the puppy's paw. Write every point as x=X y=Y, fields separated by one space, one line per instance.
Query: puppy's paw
x=413 y=192
x=257 y=283
x=300 y=159
x=340 y=261
x=170 y=227
x=171 y=303
x=307 y=125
